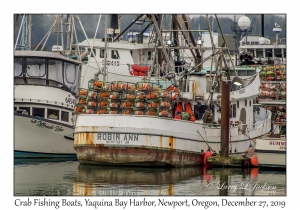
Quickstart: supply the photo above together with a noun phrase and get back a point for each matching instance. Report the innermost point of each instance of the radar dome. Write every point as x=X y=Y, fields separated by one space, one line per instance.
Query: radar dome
x=244 y=23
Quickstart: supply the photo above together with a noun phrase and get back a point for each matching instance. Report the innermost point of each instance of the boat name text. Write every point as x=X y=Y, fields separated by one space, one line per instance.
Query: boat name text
x=282 y=144
x=111 y=63
x=42 y=124
x=69 y=100
x=117 y=137
x=242 y=91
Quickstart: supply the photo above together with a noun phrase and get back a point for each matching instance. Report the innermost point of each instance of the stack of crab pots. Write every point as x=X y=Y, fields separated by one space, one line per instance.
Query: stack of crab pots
x=117 y=97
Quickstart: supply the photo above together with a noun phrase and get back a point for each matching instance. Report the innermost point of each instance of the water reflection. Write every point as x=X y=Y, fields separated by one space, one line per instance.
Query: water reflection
x=71 y=178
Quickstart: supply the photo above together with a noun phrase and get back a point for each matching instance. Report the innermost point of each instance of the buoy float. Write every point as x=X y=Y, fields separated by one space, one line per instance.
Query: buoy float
x=254 y=160
x=175 y=91
x=207 y=154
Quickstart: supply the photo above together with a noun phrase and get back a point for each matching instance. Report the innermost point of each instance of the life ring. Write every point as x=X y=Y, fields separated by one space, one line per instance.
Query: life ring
x=175 y=92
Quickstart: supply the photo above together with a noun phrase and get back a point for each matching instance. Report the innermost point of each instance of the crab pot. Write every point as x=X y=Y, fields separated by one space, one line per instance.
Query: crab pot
x=128 y=111
x=83 y=93
x=79 y=109
x=92 y=104
x=114 y=103
x=153 y=104
x=144 y=86
x=152 y=111
x=103 y=94
x=128 y=96
x=92 y=94
x=115 y=95
x=140 y=95
x=152 y=95
x=127 y=104
x=139 y=111
x=102 y=110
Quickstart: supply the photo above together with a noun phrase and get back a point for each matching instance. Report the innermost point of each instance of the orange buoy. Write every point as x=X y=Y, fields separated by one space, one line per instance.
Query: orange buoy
x=254 y=160
x=207 y=154
x=175 y=91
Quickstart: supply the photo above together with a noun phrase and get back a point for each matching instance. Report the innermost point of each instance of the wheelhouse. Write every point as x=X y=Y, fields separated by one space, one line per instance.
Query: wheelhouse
x=46 y=69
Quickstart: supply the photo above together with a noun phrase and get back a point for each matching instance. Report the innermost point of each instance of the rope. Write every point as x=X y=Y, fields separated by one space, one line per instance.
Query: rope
x=206 y=142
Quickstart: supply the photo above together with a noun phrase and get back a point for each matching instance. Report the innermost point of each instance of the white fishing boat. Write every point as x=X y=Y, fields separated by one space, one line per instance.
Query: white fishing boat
x=179 y=118
x=45 y=86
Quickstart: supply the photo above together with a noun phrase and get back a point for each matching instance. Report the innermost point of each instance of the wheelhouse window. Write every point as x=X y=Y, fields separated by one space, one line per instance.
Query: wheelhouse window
x=71 y=76
x=52 y=114
x=36 y=67
x=38 y=112
x=269 y=53
x=65 y=116
x=259 y=53
x=55 y=72
x=18 y=67
x=115 y=54
x=278 y=53
x=26 y=108
x=232 y=113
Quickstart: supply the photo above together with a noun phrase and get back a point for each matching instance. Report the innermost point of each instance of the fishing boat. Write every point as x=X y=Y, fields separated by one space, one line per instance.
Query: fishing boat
x=165 y=122
x=45 y=86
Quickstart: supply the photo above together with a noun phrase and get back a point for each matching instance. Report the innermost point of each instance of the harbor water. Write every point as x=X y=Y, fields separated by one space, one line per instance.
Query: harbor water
x=70 y=178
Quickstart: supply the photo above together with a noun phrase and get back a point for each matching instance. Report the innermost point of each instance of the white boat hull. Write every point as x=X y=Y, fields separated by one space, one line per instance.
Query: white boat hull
x=271 y=152
x=140 y=140
x=33 y=140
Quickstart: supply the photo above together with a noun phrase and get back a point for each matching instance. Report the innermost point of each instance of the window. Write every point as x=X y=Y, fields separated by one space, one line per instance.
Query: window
x=245 y=102
x=238 y=104
x=149 y=55
x=259 y=53
x=38 y=112
x=91 y=52
x=115 y=54
x=36 y=68
x=18 y=67
x=278 y=53
x=26 y=108
x=55 y=71
x=232 y=112
x=15 y=108
x=250 y=103
x=52 y=114
x=269 y=53
x=102 y=53
x=70 y=73
x=65 y=116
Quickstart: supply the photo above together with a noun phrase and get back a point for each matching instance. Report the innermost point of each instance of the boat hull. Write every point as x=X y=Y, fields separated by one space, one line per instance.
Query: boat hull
x=146 y=140
x=136 y=156
x=271 y=152
x=41 y=139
